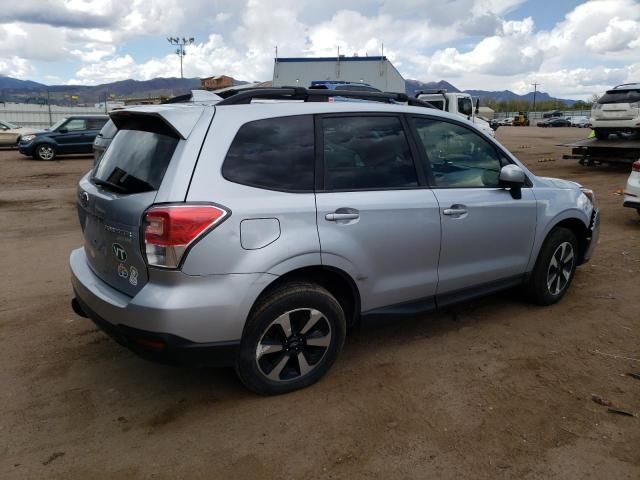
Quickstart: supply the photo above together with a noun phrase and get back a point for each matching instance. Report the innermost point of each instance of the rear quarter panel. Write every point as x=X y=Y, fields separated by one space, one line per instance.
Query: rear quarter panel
x=221 y=251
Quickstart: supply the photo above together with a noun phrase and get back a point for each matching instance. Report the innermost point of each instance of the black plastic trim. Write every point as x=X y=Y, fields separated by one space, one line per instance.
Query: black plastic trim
x=177 y=350
x=465 y=294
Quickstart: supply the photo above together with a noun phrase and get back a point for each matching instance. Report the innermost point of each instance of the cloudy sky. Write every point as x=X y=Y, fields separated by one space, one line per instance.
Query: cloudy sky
x=573 y=48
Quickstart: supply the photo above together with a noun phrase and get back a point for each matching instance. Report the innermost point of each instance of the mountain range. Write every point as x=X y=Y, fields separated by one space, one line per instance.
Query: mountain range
x=15 y=90
x=412 y=86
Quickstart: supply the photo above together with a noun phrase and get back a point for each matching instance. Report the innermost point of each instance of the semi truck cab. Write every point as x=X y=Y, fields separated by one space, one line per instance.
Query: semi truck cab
x=459 y=103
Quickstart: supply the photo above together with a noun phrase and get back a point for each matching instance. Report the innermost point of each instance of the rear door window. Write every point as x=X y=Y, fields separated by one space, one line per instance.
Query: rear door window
x=366 y=153
x=76 y=124
x=275 y=154
x=138 y=157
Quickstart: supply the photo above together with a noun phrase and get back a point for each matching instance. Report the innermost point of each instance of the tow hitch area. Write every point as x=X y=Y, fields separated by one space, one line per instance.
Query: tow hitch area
x=75 y=305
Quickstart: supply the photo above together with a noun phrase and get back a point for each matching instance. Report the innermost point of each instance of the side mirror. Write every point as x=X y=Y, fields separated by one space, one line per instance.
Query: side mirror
x=513 y=177
x=477 y=106
x=62 y=130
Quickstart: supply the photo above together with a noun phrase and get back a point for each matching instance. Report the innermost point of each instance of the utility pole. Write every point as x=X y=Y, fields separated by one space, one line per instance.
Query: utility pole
x=181 y=43
x=535 y=91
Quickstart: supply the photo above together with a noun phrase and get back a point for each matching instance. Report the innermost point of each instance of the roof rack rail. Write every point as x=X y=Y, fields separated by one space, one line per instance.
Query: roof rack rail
x=313 y=95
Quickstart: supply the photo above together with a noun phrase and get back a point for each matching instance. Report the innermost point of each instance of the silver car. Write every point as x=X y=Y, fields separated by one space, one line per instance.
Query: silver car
x=254 y=234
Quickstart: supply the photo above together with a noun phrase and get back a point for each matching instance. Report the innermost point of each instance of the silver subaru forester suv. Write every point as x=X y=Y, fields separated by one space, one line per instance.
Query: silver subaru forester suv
x=253 y=234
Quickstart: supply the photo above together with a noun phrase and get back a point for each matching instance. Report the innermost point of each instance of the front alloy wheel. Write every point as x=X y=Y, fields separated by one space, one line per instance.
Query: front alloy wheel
x=554 y=268
x=45 y=152
x=560 y=268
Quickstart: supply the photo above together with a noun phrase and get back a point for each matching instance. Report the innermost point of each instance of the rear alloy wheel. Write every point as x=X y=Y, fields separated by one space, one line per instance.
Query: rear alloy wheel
x=45 y=152
x=291 y=340
x=555 y=267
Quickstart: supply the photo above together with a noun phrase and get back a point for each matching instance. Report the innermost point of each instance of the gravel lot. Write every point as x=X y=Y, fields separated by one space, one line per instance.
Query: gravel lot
x=492 y=389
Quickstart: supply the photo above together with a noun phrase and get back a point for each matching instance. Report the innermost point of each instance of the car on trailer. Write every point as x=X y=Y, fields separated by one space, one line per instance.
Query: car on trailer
x=617 y=111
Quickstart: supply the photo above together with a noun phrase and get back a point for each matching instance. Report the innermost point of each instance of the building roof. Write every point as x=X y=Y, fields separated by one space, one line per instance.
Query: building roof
x=329 y=59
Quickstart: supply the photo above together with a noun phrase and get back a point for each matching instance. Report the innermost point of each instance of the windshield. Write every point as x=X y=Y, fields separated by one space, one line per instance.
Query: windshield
x=439 y=104
x=57 y=125
x=136 y=160
x=620 y=96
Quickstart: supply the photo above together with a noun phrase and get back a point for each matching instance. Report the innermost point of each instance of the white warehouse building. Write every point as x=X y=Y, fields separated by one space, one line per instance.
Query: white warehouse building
x=378 y=72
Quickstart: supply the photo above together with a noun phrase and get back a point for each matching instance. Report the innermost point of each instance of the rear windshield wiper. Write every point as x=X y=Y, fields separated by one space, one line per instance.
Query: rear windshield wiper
x=105 y=183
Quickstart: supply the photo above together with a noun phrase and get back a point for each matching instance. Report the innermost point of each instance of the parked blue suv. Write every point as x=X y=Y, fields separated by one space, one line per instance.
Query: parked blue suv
x=74 y=134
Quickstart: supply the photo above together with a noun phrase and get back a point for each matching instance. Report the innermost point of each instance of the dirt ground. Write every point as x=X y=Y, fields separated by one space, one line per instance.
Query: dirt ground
x=493 y=389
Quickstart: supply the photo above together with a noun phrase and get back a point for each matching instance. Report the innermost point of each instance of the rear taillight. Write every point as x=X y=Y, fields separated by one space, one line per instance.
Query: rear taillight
x=635 y=167
x=169 y=230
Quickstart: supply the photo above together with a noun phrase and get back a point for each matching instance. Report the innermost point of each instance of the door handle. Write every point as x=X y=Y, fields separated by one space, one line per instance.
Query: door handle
x=455 y=210
x=334 y=217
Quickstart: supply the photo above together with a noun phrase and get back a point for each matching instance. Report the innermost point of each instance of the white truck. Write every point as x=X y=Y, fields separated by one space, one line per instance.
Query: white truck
x=459 y=103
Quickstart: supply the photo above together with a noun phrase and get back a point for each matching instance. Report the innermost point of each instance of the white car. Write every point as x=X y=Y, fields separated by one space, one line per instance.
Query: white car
x=506 y=121
x=617 y=111
x=10 y=134
x=580 y=121
x=632 y=191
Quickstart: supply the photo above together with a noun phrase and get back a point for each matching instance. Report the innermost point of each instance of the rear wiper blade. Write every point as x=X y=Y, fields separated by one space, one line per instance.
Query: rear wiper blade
x=104 y=183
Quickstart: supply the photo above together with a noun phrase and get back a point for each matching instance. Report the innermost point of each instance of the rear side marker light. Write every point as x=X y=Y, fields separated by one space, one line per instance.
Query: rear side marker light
x=169 y=230
x=635 y=167
x=151 y=343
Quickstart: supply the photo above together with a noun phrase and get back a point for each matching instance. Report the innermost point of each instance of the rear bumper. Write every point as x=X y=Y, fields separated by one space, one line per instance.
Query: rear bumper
x=185 y=312
x=164 y=347
x=615 y=124
x=632 y=203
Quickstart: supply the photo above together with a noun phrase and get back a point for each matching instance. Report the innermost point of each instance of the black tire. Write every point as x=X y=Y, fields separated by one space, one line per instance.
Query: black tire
x=541 y=287
x=295 y=302
x=601 y=134
x=45 y=152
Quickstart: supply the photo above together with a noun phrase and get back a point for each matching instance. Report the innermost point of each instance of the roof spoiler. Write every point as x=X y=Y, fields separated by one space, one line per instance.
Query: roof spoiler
x=180 y=120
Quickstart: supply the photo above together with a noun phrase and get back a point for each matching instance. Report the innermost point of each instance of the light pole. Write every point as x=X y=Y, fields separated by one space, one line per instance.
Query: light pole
x=180 y=51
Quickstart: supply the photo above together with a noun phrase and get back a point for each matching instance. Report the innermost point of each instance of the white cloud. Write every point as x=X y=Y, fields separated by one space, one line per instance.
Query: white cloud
x=15 y=67
x=466 y=41
x=619 y=35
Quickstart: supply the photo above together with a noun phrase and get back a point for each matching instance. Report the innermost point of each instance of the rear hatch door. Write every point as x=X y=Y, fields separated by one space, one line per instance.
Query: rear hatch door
x=113 y=198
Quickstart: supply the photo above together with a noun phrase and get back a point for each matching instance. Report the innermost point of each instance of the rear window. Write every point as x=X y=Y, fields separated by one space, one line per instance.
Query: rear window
x=109 y=130
x=276 y=154
x=620 y=96
x=137 y=158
